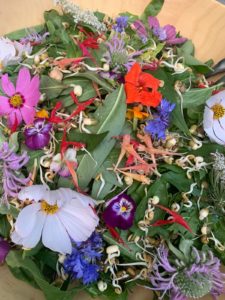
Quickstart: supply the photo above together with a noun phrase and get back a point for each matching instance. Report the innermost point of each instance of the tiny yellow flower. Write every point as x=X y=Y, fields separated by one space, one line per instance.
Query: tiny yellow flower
x=136 y=112
x=43 y=114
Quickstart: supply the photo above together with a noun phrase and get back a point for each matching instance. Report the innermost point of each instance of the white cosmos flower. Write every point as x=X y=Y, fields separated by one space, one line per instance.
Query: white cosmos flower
x=214 y=118
x=11 y=52
x=56 y=217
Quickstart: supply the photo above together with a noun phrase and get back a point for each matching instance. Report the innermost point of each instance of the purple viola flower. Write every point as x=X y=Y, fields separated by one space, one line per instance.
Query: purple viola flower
x=38 y=135
x=121 y=24
x=120 y=211
x=4 y=250
x=118 y=58
x=139 y=27
x=160 y=122
x=11 y=163
x=166 y=33
x=182 y=281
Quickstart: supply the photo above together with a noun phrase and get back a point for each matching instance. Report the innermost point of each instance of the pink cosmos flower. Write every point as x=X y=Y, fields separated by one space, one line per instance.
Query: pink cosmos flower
x=20 y=100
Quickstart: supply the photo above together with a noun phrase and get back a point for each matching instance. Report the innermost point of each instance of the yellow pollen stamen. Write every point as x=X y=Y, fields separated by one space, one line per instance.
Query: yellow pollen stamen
x=218 y=110
x=123 y=209
x=16 y=101
x=49 y=209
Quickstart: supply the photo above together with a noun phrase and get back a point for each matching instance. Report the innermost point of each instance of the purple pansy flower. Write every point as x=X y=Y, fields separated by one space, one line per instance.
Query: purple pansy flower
x=157 y=126
x=119 y=212
x=38 y=135
x=121 y=24
x=166 y=33
x=183 y=281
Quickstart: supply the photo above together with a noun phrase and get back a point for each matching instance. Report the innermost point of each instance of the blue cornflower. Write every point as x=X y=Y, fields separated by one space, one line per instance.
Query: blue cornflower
x=121 y=24
x=83 y=262
x=157 y=126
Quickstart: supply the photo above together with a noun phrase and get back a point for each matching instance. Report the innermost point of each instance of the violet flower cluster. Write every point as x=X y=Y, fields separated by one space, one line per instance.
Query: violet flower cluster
x=11 y=164
x=84 y=262
x=121 y=24
x=160 y=122
x=182 y=281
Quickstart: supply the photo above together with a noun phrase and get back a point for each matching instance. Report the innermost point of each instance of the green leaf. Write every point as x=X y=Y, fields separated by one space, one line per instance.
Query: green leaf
x=152 y=9
x=11 y=210
x=185 y=247
x=111 y=118
x=4 y=227
x=52 y=88
x=26 y=269
x=196 y=97
x=173 y=178
x=95 y=78
x=13 y=141
x=16 y=35
x=2 y=138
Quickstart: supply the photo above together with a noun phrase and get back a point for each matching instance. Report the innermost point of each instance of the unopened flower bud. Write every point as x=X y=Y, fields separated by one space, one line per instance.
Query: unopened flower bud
x=78 y=90
x=118 y=291
x=56 y=74
x=102 y=286
x=175 y=207
x=204 y=230
x=112 y=249
x=89 y=121
x=204 y=239
x=198 y=159
x=193 y=145
x=169 y=160
x=204 y=212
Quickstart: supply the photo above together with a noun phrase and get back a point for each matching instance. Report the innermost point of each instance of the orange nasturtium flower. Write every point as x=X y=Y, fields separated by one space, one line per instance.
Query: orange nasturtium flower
x=136 y=112
x=142 y=87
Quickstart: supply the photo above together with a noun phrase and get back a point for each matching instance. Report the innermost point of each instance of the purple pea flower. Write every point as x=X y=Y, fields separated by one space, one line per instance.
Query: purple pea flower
x=38 y=135
x=11 y=163
x=166 y=33
x=157 y=126
x=120 y=211
x=139 y=27
x=182 y=281
x=121 y=24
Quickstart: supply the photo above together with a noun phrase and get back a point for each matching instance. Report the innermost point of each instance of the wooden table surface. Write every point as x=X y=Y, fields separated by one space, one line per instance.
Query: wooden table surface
x=201 y=20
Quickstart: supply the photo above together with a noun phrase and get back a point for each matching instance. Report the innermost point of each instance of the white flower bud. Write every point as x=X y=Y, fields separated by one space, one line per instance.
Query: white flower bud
x=128 y=180
x=171 y=143
x=113 y=249
x=56 y=74
x=204 y=229
x=88 y=121
x=204 y=212
x=102 y=286
x=198 y=159
x=193 y=129
x=175 y=207
x=78 y=90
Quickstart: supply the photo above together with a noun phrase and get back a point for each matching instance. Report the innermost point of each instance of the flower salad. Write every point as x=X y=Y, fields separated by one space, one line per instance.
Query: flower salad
x=112 y=158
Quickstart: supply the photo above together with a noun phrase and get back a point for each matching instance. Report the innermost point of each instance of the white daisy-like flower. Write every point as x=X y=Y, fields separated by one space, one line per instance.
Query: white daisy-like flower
x=214 y=118
x=11 y=52
x=56 y=217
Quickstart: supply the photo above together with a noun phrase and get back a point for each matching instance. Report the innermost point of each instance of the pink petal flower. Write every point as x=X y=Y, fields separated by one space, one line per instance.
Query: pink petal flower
x=14 y=117
x=32 y=95
x=23 y=80
x=28 y=114
x=7 y=86
x=4 y=105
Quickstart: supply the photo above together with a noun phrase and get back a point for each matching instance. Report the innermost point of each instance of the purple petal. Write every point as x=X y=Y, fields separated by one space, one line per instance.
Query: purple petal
x=170 y=31
x=140 y=29
x=38 y=141
x=23 y=80
x=153 y=22
x=176 y=41
x=4 y=250
x=7 y=86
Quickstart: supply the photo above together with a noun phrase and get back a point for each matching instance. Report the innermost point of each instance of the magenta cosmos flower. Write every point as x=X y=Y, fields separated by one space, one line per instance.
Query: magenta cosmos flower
x=120 y=212
x=20 y=101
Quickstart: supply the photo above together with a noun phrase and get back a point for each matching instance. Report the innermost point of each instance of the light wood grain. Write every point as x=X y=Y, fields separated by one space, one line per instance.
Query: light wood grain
x=201 y=20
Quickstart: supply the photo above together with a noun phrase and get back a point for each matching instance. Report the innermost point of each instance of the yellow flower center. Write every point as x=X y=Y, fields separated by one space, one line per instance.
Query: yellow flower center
x=49 y=209
x=218 y=110
x=123 y=209
x=16 y=101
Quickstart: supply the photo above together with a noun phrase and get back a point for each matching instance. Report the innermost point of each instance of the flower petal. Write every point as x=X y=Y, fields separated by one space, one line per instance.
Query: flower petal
x=14 y=117
x=26 y=219
x=55 y=237
x=4 y=106
x=23 y=80
x=33 y=238
x=28 y=114
x=7 y=86
x=32 y=95
x=35 y=192
x=153 y=22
